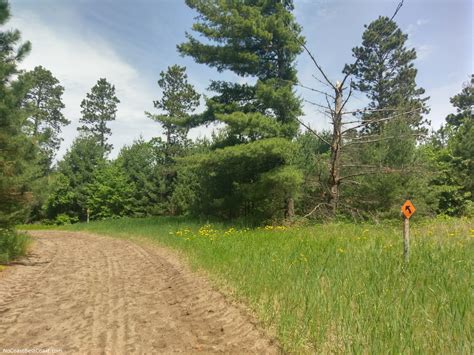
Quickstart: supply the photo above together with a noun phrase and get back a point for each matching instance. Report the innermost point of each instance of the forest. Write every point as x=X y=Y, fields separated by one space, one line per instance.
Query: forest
x=267 y=235
x=264 y=165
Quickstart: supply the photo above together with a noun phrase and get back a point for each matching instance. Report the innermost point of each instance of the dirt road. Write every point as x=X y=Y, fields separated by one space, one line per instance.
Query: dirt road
x=83 y=293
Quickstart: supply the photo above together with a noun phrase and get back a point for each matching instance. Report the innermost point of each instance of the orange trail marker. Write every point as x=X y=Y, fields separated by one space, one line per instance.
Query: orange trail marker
x=408 y=209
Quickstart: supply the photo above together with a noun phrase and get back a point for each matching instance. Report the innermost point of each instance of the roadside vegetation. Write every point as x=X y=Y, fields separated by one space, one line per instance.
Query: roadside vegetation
x=332 y=287
x=12 y=245
x=336 y=287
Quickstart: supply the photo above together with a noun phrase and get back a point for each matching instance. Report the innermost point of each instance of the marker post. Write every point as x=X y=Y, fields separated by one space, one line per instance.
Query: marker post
x=407 y=210
x=406 y=239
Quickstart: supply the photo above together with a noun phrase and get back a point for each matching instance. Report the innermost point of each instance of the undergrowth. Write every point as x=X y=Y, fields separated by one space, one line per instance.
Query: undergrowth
x=12 y=245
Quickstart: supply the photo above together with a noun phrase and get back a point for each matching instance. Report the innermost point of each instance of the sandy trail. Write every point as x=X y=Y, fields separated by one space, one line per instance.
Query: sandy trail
x=83 y=293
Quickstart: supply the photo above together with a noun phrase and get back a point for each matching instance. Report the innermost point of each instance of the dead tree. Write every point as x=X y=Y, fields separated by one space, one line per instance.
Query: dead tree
x=341 y=130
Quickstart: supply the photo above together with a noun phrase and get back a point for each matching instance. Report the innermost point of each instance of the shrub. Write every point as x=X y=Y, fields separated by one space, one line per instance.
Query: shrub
x=12 y=245
x=62 y=219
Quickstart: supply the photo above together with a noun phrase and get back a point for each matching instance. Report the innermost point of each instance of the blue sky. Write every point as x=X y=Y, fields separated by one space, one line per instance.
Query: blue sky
x=130 y=41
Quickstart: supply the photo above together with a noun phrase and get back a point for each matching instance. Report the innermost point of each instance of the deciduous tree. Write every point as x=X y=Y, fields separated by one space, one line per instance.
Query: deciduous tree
x=76 y=171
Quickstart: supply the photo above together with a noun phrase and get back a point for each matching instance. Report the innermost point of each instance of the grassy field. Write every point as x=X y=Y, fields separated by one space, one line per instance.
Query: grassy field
x=336 y=287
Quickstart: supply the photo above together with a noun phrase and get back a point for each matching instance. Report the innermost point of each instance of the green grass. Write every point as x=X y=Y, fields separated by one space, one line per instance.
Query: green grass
x=12 y=245
x=31 y=227
x=337 y=287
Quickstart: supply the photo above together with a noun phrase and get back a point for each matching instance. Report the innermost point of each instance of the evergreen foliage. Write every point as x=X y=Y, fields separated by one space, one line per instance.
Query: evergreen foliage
x=253 y=39
x=384 y=70
x=259 y=40
x=178 y=101
x=252 y=180
x=99 y=107
x=43 y=104
x=15 y=148
x=144 y=165
x=258 y=165
x=395 y=170
x=452 y=150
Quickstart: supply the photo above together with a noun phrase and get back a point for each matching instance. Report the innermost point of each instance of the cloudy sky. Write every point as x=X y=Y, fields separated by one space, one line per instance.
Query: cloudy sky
x=130 y=41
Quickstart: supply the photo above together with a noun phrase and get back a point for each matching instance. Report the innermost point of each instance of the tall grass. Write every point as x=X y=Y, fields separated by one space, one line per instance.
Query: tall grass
x=12 y=245
x=337 y=287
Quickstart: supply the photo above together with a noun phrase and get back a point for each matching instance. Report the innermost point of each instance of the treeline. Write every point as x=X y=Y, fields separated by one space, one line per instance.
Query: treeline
x=261 y=166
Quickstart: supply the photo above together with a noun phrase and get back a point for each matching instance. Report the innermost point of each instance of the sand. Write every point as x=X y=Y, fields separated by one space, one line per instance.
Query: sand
x=83 y=293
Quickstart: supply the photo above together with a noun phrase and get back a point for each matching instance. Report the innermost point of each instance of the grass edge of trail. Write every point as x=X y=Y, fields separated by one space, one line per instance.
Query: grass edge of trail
x=14 y=244
x=354 y=296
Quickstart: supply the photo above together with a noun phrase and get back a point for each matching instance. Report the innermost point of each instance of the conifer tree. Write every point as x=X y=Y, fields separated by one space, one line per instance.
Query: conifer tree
x=98 y=108
x=391 y=123
x=384 y=70
x=258 y=40
x=454 y=153
x=15 y=148
x=252 y=39
x=43 y=103
x=178 y=101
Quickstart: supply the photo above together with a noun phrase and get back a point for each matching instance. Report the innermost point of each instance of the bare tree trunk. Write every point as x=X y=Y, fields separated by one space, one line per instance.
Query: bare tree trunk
x=336 y=142
x=290 y=208
x=335 y=177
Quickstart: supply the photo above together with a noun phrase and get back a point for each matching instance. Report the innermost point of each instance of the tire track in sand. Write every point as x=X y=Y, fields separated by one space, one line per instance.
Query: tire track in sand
x=84 y=293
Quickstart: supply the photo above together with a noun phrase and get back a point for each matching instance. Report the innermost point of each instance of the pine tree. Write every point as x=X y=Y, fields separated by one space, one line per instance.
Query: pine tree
x=178 y=101
x=252 y=39
x=260 y=40
x=454 y=155
x=43 y=103
x=15 y=149
x=384 y=70
x=141 y=163
x=464 y=104
x=393 y=120
x=99 y=107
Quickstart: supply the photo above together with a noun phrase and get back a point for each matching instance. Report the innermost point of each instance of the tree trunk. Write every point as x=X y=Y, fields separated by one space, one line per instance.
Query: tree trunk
x=290 y=208
x=335 y=162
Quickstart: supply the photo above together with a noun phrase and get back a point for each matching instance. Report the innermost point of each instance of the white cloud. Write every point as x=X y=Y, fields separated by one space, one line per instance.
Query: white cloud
x=421 y=22
x=78 y=61
x=423 y=51
x=413 y=27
